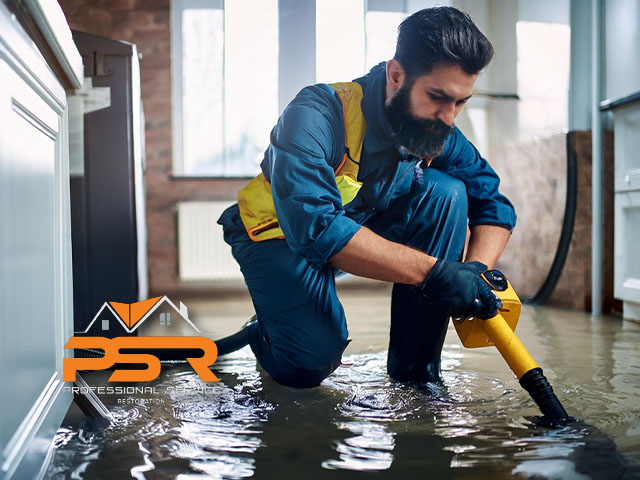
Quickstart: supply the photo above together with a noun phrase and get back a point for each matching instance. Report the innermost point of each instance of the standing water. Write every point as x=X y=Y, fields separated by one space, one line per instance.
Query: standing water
x=479 y=423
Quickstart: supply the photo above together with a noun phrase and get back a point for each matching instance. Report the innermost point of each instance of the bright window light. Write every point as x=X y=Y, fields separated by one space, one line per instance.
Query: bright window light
x=381 y=36
x=543 y=78
x=202 y=92
x=339 y=40
x=251 y=82
x=229 y=86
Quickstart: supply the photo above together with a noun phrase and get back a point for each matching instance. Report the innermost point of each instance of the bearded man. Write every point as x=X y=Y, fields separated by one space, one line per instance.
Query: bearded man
x=372 y=177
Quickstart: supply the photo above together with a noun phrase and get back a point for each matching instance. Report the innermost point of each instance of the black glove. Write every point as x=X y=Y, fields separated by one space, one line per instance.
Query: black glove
x=458 y=289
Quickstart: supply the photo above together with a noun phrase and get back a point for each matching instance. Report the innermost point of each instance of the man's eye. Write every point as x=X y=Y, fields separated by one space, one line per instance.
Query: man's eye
x=436 y=97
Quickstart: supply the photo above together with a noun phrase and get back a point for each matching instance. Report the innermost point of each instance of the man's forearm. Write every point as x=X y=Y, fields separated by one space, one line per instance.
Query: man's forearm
x=486 y=244
x=369 y=255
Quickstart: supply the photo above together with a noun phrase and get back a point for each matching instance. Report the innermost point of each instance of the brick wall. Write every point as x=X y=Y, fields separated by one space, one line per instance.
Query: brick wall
x=574 y=285
x=534 y=177
x=146 y=23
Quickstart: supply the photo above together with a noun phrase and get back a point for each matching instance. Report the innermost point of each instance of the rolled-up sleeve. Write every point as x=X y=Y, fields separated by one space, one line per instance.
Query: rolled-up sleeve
x=487 y=206
x=306 y=145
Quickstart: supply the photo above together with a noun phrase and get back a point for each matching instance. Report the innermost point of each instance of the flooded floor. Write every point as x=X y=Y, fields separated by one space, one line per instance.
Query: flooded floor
x=359 y=423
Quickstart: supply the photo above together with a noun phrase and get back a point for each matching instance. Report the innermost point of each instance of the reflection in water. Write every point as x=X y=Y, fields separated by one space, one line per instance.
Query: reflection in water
x=184 y=429
x=477 y=424
x=369 y=449
x=370 y=402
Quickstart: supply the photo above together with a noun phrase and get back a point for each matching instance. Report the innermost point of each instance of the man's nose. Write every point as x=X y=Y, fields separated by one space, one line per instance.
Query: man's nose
x=447 y=113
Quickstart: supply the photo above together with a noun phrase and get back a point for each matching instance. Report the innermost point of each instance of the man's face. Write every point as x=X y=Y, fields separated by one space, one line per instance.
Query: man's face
x=421 y=113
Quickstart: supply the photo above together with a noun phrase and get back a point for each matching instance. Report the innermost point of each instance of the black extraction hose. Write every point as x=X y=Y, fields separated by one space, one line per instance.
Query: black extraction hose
x=542 y=295
x=541 y=392
x=237 y=340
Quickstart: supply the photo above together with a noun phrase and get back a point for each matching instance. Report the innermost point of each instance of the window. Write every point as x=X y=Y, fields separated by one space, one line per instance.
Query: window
x=352 y=36
x=225 y=84
x=165 y=319
x=543 y=78
x=381 y=34
x=233 y=70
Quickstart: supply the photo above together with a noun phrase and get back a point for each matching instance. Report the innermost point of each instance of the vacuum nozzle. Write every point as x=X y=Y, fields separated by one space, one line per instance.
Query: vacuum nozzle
x=541 y=392
x=499 y=332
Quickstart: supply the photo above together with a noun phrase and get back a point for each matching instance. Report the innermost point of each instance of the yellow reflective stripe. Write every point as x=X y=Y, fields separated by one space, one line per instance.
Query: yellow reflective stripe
x=257 y=211
x=348 y=187
x=265 y=232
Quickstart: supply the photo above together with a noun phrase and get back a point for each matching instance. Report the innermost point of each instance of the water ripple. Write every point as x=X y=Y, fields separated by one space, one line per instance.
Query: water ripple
x=477 y=422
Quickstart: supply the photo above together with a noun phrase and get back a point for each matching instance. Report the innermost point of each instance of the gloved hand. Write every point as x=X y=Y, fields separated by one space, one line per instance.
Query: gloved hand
x=459 y=290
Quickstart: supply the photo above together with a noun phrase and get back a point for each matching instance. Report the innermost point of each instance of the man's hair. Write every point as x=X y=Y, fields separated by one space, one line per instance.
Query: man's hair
x=441 y=35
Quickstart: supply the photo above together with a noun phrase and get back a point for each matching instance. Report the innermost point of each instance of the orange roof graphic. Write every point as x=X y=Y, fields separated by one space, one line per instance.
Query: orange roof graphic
x=131 y=313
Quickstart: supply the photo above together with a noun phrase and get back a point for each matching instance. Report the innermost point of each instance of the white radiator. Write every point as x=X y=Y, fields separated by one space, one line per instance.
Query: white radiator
x=202 y=253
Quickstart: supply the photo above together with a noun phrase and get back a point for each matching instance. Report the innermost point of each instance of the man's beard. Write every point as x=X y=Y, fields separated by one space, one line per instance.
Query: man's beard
x=420 y=137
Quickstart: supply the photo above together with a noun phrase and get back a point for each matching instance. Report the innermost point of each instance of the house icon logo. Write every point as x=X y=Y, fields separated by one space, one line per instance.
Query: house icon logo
x=202 y=351
x=131 y=315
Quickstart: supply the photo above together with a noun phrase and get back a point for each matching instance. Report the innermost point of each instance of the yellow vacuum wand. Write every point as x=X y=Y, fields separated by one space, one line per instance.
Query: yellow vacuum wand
x=499 y=331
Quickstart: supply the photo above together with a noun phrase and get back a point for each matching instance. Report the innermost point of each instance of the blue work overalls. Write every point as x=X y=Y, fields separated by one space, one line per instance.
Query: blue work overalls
x=301 y=330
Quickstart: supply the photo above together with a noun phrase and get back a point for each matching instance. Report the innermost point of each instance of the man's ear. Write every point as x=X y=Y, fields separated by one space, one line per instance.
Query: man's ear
x=395 y=74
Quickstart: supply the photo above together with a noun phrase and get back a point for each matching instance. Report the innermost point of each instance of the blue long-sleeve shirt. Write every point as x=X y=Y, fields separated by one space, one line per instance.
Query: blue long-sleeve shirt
x=307 y=144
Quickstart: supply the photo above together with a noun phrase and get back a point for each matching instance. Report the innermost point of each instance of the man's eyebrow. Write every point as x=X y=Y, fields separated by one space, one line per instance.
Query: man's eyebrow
x=445 y=95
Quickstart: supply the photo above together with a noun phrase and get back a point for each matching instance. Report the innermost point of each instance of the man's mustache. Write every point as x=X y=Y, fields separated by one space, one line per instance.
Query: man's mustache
x=437 y=127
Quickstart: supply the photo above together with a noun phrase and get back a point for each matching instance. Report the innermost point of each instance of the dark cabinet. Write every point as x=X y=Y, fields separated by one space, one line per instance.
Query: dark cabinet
x=107 y=196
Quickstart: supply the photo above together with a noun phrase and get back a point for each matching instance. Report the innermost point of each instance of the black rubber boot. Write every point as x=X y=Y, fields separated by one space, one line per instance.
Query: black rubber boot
x=416 y=338
x=237 y=340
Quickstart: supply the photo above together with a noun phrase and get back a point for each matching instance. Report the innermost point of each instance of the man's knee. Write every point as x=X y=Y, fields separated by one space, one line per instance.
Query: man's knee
x=438 y=222
x=302 y=377
x=308 y=367
x=449 y=193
